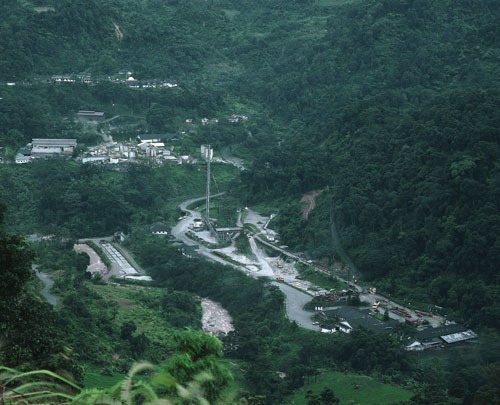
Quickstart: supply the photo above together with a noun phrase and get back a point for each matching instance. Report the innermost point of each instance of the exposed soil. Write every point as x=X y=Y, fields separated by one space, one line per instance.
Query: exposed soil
x=95 y=265
x=310 y=199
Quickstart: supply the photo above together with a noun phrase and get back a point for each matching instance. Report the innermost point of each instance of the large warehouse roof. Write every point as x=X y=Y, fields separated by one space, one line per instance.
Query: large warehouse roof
x=53 y=142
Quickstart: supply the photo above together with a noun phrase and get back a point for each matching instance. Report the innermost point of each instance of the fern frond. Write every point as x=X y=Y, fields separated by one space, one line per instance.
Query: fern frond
x=38 y=373
x=125 y=394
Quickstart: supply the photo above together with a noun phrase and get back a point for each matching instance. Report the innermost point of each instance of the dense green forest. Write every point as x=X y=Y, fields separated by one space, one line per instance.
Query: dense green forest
x=398 y=124
x=388 y=108
x=74 y=200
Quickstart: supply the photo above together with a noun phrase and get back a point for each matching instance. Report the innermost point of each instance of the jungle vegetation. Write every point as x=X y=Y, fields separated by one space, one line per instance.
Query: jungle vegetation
x=388 y=108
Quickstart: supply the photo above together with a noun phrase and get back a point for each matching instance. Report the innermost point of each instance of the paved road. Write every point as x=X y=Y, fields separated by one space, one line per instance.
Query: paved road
x=295 y=299
x=48 y=283
x=265 y=268
x=179 y=230
x=294 y=302
x=434 y=320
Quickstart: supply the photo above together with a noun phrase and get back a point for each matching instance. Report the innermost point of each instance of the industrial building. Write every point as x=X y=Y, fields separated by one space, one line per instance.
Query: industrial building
x=91 y=115
x=437 y=337
x=47 y=147
x=350 y=318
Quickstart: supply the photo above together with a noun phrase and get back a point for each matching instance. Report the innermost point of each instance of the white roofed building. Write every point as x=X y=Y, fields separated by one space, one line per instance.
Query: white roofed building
x=91 y=115
x=44 y=147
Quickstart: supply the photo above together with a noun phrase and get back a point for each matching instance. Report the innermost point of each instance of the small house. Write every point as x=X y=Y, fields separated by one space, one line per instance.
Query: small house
x=159 y=229
x=21 y=159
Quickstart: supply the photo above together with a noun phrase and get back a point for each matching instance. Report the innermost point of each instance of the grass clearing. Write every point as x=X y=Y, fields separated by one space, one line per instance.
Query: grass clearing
x=320 y=279
x=369 y=391
x=94 y=379
x=140 y=305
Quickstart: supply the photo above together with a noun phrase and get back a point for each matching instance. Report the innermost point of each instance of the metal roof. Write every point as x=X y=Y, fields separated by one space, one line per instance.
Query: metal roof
x=53 y=142
x=459 y=337
x=430 y=333
x=362 y=319
x=90 y=113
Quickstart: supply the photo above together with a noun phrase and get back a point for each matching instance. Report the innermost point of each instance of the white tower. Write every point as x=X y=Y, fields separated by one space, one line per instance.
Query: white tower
x=207 y=153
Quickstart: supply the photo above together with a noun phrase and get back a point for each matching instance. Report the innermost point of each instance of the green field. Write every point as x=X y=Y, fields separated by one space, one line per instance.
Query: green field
x=320 y=279
x=94 y=379
x=136 y=304
x=369 y=391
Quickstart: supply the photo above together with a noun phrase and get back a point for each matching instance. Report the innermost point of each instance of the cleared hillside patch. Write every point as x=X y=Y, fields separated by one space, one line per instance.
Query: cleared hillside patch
x=353 y=388
x=141 y=306
x=95 y=379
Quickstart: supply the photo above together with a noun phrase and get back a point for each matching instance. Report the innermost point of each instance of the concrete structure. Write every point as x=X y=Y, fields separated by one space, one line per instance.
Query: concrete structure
x=168 y=136
x=353 y=318
x=414 y=347
x=198 y=223
x=21 y=159
x=224 y=234
x=451 y=333
x=90 y=115
x=52 y=146
x=159 y=229
x=95 y=159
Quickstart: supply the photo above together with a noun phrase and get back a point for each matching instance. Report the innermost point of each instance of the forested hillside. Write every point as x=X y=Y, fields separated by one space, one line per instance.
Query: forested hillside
x=153 y=38
x=388 y=109
x=74 y=200
x=394 y=113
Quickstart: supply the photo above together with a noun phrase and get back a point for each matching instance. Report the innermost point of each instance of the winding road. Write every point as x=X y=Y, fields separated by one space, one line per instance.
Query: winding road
x=47 y=285
x=226 y=155
x=294 y=299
